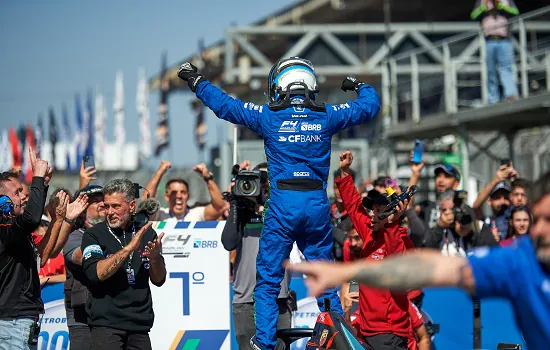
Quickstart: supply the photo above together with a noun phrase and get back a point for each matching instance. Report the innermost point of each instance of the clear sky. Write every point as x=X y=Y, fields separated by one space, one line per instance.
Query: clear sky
x=51 y=50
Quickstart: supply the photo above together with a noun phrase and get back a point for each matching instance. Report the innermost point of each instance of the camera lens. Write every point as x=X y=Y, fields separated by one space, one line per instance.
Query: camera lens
x=247 y=187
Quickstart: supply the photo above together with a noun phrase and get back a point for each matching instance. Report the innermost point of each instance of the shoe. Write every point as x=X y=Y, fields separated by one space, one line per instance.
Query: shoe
x=255 y=345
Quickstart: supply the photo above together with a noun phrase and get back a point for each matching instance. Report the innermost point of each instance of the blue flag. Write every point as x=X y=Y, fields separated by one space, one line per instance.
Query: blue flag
x=67 y=136
x=80 y=134
x=89 y=115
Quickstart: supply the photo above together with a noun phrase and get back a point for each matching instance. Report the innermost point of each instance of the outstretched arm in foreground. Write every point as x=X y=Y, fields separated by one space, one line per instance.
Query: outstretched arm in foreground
x=416 y=270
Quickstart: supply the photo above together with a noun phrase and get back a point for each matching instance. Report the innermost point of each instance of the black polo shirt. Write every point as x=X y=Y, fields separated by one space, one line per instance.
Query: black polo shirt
x=115 y=302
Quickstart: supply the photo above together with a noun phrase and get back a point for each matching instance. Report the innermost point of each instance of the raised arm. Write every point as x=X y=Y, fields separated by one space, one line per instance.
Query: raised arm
x=356 y=112
x=224 y=106
x=152 y=185
x=74 y=209
x=47 y=244
x=352 y=200
x=501 y=175
x=416 y=270
x=217 y=204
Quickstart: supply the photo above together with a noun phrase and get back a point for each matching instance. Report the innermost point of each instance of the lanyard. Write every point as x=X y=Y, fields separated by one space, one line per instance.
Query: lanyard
x=122 y=246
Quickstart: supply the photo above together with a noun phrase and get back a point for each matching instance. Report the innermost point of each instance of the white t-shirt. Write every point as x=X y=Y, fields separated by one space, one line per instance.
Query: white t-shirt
x=195 y=214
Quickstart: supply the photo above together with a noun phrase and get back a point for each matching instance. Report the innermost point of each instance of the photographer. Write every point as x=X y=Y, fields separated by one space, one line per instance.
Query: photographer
x=20 y=215
x=455 y=232
x=89 y=211
x=242 y=233
x=119 y=261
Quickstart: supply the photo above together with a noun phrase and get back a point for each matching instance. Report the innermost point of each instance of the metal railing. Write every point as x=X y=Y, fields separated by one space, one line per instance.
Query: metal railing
x=457 y=77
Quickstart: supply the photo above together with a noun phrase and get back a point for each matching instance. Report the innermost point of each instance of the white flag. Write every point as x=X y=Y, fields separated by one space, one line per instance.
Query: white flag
x=120 y=132
x=99 y=126
x=6 y=156
x=142 y=105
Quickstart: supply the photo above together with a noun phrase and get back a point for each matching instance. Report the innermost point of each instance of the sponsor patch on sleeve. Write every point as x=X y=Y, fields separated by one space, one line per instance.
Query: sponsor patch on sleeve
x=89 y=250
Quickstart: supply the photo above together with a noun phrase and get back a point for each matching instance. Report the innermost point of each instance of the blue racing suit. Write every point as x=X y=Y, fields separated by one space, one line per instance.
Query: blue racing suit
x=297 y=143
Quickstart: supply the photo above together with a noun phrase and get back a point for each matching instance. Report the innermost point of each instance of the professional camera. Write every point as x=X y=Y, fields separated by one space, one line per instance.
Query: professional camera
x=395 y=199
x=249 y=183
x=462 y=216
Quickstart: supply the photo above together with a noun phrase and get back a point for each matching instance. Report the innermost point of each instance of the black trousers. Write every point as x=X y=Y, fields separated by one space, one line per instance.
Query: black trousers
x=387 y=342
x=80 y=338
x=105 y=338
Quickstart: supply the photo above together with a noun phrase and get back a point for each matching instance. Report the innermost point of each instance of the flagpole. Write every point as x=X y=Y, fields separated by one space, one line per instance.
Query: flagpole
x=235 y=135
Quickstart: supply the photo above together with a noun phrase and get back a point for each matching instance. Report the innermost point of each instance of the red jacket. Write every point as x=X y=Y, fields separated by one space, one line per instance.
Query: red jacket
x=382 y=311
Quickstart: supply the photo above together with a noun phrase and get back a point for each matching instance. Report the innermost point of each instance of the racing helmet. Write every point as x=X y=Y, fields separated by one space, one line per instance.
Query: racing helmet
x=291 y=73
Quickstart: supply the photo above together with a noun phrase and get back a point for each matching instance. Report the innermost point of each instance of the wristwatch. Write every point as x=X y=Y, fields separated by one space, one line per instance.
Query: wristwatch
x=210 y=177
x=70 y=221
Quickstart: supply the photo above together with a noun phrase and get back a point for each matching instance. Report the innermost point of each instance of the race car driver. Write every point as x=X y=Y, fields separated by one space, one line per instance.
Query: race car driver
x=297 y=135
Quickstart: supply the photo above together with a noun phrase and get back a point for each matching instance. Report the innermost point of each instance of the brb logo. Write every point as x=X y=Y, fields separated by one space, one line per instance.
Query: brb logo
x=310 y=127
x=205 y=244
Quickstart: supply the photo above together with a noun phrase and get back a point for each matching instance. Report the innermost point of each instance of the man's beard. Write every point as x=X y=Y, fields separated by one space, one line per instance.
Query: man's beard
x=94 y=220
x=501 y=210
x=121 y=222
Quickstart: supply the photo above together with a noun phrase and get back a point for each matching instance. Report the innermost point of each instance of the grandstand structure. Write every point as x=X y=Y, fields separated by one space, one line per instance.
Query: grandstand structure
x=424 y=57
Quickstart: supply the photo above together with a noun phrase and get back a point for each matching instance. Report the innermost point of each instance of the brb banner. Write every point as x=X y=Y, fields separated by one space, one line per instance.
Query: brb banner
x=192 y=308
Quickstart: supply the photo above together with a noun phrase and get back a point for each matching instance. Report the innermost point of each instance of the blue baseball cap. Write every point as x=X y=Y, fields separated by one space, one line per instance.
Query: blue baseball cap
x=447 y=169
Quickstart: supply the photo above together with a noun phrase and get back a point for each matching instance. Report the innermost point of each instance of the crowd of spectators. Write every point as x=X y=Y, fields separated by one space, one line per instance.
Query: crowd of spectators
x=88 y=242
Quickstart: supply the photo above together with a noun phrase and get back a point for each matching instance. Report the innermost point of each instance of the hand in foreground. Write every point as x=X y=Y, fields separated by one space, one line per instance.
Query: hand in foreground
x=39 y=166
x=62 y=201
x=77 y=207
x=351 y=83
x=154 y=249
x=346 y=158
x=164 y=166
x=322 y=275
x=202 y=170
x=189 y=73
x=87 y=175
x=416 y=168
x=136 y=240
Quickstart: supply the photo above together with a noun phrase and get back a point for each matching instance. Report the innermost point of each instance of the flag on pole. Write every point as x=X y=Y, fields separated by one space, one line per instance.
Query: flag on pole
x=6 y=156
x=15 y=148
x=39 y=135
x=120 y=132
x=89 y=126
x=162 y=133
x=80 y=135
x=52 y=133
x=200 y=126
x=29 y=142
x=67 y=138
x=99 y=135
x=198 y=108
x=142 y=105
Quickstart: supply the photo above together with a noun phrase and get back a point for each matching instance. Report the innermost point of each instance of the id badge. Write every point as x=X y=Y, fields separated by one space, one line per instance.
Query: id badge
x=131 y=276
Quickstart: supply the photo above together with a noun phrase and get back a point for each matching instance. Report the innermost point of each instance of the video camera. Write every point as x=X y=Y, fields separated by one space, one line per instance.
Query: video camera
x=248 y=183
x=462 y=216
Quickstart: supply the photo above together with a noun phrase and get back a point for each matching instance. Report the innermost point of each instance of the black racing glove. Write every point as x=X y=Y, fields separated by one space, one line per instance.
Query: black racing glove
x=351 y=84
x=188 y=72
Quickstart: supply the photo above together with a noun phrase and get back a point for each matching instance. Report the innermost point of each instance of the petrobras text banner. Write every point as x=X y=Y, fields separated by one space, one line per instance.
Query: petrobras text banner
x=53 y=333
x=192 y=308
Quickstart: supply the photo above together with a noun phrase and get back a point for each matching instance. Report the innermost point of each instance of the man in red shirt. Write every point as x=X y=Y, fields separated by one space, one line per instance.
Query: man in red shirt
x=384 y=320
x=418 y=338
